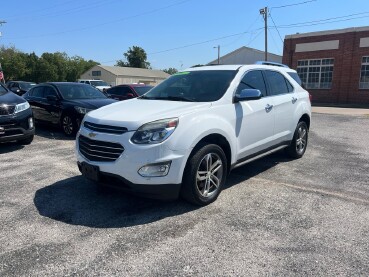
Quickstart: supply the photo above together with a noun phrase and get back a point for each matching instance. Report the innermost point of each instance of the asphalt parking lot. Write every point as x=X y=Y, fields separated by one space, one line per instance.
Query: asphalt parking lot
x=275 y=217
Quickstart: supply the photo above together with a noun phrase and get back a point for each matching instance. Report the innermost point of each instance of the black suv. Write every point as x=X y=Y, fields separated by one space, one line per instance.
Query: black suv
x=16 y=118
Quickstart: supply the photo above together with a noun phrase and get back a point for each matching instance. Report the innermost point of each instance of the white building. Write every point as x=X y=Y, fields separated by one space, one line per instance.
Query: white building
x=116 y=75
x=246 y=55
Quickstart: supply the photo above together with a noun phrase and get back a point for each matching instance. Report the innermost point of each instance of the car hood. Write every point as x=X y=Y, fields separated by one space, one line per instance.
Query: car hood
x=10 y=98
x=91 y=103
x=135 y=112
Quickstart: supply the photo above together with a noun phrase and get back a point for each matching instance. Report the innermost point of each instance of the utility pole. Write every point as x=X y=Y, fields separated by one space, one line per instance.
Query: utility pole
x=218 y=53
x=264 y=13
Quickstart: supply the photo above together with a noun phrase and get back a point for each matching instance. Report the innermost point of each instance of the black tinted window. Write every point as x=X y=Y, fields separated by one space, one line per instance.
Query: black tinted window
x=49 y=91
x=122 y=91
x=38 y=92
x=289 y=86
x=79 y=91
x=253 y=80
x=277 y=82
x=196 y=86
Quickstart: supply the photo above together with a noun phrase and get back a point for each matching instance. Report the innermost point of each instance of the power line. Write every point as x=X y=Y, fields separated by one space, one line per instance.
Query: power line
x=285 y=6
x=270 y=15
x=104 y=23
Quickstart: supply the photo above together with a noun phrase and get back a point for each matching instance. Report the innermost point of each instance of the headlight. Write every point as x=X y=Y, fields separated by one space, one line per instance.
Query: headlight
x=155 y=132
x=82 y=110
x=21 y=107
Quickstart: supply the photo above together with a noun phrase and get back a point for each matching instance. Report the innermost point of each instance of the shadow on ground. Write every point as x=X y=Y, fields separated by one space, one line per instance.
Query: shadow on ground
x=51 y=132
x=8 y=147
x=78 y=201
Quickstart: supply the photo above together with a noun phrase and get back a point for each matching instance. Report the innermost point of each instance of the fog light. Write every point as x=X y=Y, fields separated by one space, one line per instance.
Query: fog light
x=155 y=170
x=30 y=122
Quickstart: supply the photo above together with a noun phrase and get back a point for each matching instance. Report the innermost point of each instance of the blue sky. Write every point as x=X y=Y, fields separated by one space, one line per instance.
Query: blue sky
x=104 y=30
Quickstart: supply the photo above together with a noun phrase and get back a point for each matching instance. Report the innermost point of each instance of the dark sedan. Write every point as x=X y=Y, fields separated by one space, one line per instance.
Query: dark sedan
x=20 y=87
x=16 y=120
x=124 y=92
x=65 y=104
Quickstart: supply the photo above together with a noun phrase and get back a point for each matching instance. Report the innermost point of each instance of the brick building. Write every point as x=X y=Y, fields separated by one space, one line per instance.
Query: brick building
x=334 y=65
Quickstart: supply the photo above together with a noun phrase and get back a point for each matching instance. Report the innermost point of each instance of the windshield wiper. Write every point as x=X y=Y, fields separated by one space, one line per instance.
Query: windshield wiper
x=177 y=98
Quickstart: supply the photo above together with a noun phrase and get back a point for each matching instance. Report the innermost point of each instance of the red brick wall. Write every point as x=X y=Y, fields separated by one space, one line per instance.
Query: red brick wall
x=346 y=70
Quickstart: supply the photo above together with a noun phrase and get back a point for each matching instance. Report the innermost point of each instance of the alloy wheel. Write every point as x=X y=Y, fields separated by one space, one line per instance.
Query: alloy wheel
x=209 y=175
x=301 y=139
x=67 y=125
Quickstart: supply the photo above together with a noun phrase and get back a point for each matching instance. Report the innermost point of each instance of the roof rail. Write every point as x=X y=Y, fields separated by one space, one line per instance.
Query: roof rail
x=271 y=63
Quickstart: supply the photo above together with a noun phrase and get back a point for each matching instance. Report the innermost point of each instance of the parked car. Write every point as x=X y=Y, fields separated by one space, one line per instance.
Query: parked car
x=99 y=84
x=124 y=92
x=65 y=104
x=19 y=87
x=185 y=135
x=16 y=119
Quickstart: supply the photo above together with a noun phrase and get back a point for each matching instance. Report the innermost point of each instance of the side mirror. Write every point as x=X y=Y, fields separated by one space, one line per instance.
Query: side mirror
x=52 y=98
x=247 y=95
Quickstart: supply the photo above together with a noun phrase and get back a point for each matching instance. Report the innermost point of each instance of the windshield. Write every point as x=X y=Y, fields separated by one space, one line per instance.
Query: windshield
x=26 y=86
x=99 y=83
x=76 y=91
x=193 y=86
x=142 y=90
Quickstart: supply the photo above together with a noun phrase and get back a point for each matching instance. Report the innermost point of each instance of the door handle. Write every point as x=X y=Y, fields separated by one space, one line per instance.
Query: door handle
x=294 y=99
x=268 y=108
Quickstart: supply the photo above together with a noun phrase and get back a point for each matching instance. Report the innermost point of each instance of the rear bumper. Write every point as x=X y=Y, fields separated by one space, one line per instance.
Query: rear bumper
x=162 y=192
x=16 y=127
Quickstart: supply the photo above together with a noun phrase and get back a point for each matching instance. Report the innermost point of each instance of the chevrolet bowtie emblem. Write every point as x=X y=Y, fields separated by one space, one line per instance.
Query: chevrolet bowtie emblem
x=92 y=135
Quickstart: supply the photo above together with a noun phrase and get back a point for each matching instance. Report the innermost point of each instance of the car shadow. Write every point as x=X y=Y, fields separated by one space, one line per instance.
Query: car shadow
x=51 y=132
x=77 y=201
x=7 y=147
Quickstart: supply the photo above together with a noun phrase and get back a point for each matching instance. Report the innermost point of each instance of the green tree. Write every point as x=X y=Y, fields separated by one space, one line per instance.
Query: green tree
x=13 y=63
x=136 y=57
x=170 y=70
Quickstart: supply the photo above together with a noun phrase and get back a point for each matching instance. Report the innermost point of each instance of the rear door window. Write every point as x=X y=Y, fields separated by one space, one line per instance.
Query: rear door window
x=277 y=83
x=38 y=92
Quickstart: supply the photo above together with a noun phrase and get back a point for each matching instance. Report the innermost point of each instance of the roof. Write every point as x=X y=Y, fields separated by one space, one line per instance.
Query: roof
x=328 y=32
x=239 y=66
x=132 y=71
x=243 y=48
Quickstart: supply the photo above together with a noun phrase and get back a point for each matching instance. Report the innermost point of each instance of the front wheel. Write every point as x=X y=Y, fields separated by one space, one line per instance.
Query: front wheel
x=299 y=142
x=68 y=125
x=205 y=175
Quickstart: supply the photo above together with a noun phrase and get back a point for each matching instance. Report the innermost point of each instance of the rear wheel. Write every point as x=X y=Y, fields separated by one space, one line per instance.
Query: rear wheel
x=69 y=125
x=299 y=142
x=205 y=175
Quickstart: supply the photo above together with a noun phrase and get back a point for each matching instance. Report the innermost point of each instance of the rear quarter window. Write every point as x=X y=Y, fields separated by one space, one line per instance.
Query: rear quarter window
x=295 y=77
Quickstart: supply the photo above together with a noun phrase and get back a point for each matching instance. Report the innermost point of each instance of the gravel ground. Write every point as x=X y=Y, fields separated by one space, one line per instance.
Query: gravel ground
x=275 y=217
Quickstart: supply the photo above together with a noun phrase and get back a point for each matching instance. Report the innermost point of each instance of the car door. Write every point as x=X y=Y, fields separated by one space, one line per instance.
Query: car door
x=285 y=103
x=52 y=108
x=254 y=119
x=34 y=99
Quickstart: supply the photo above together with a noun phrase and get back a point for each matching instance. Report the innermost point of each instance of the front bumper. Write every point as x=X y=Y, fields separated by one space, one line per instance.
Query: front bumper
x=16 y=127
x=123 y=172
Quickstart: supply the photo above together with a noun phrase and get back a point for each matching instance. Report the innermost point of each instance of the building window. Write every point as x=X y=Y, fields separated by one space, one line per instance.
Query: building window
x=364 y=73
x=316 y=74
x=96 y=73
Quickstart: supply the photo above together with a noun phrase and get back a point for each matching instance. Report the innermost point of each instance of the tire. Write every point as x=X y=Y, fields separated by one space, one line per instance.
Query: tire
x=299 y=142
x=26 y=141
x=68 y=125
x=200 y=185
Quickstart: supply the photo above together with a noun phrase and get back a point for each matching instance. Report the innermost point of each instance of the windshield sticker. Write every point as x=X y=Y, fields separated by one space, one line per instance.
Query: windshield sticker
x=182 y=73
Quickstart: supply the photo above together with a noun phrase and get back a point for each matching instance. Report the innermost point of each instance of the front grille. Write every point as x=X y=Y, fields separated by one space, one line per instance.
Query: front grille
x=7 y=109
x=99 y=151
x=105 y=128
x=9 y=133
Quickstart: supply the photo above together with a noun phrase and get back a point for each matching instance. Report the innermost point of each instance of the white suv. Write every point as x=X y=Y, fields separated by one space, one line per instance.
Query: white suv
x=185 y=135
x=99 y=84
